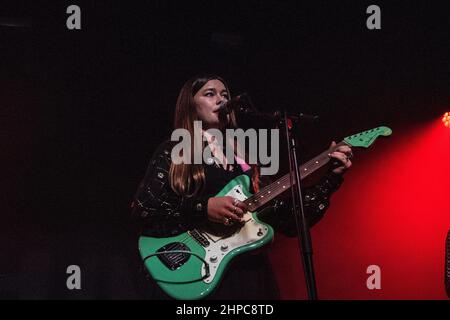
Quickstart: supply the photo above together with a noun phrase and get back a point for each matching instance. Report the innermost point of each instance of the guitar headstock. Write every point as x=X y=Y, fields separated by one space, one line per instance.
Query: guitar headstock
x=366 y=138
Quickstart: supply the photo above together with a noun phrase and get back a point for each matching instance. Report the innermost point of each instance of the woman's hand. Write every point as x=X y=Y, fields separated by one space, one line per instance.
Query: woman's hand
x=343 y=154
x=225 y=210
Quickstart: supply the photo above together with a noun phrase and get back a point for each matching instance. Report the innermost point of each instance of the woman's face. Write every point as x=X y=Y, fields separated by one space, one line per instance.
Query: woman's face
x=207 y=101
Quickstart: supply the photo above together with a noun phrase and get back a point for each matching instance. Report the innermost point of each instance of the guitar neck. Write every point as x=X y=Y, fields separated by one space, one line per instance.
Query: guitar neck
x=276 y=188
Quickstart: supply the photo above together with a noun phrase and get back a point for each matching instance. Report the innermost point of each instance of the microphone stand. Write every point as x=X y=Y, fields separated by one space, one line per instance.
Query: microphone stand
x=303 y=231
x=244 y=106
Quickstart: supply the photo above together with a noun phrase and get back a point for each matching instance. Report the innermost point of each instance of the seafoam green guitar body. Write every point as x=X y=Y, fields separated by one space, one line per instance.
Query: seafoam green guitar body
x=189 y=281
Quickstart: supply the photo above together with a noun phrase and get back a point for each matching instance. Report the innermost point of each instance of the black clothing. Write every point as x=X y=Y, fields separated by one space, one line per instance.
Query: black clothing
x=163 y=213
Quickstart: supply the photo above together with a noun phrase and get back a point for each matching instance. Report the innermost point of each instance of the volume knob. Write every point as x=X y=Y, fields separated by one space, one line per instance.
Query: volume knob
x=224 y=247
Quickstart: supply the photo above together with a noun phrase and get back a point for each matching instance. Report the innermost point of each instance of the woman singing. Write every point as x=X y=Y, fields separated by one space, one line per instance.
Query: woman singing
x=174 y=198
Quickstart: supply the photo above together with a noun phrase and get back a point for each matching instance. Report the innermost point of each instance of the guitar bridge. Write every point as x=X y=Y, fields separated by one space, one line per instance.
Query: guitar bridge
x=200 y=238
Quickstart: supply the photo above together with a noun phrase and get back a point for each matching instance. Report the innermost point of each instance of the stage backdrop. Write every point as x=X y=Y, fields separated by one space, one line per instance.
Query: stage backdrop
x=392 y=212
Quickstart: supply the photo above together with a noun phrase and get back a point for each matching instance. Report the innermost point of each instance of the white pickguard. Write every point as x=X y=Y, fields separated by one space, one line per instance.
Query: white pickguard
x=251 y=231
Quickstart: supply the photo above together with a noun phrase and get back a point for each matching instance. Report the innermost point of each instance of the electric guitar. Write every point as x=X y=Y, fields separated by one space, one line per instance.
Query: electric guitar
x=190 y=265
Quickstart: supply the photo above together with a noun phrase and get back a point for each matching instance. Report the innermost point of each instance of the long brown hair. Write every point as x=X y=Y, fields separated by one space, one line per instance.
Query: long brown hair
x=188 y=179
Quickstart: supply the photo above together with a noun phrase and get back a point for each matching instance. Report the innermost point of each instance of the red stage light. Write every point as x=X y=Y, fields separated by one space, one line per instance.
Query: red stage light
x=446 y=119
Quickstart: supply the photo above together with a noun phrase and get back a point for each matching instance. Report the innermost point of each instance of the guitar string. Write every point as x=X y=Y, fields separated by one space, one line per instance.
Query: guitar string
x=275 y=185
x=265 y=191
x=285 y=179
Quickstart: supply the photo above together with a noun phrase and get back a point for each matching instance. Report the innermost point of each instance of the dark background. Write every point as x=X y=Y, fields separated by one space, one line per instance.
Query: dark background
x=83 y=110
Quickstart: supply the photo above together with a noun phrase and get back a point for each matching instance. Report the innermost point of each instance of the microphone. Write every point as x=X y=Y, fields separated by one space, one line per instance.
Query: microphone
x=236 y=104
x=242 y=105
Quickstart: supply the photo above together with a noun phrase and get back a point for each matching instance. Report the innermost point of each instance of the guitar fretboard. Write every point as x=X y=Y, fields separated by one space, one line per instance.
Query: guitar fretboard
x=276 y=188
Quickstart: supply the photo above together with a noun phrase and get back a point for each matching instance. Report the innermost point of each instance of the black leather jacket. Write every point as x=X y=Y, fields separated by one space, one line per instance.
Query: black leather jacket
x=163 y=213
